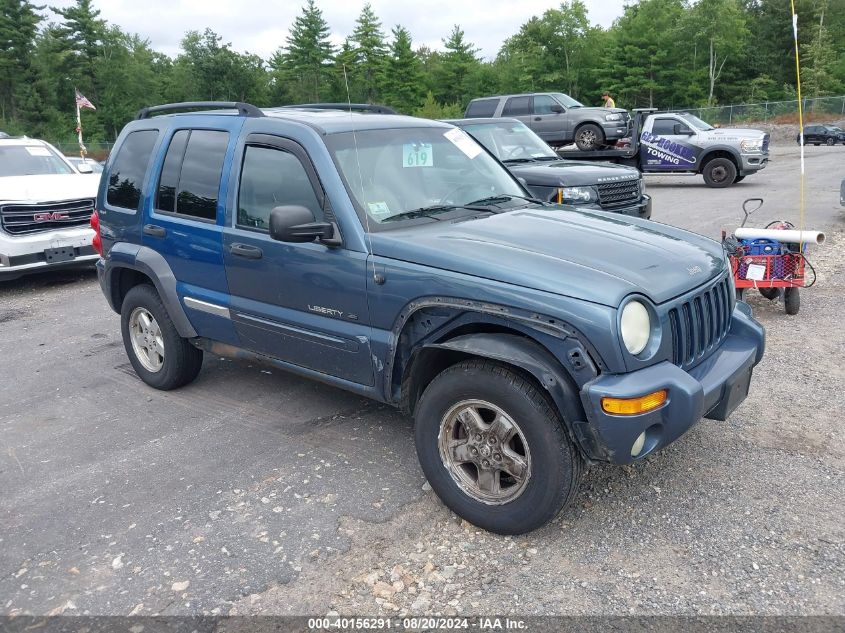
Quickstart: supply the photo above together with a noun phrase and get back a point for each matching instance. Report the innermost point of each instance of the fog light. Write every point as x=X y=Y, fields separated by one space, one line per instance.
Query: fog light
x=637 y=447
x=633 y=406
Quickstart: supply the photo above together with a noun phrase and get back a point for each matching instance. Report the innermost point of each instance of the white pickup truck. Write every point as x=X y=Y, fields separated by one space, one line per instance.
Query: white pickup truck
x=45 y=209
x=681 y=143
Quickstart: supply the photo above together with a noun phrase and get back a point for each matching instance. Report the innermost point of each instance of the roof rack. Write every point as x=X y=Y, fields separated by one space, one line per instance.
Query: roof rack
x=354 y=107
x=244 y=109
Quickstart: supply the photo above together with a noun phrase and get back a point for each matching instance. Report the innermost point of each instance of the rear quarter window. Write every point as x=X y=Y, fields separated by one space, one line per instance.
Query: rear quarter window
x=126 y=176
x=482 y=108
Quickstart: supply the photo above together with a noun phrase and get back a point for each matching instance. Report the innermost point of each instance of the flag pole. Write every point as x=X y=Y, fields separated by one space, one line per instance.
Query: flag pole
x=82 y=150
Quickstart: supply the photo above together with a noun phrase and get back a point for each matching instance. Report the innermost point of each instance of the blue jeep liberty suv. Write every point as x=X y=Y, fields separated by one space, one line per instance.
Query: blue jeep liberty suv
x=396 y=258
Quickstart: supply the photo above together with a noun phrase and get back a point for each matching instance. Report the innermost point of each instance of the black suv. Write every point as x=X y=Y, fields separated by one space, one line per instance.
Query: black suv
x=818 y=134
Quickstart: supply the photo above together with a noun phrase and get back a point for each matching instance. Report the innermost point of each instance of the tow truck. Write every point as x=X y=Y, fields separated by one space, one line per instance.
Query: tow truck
x=681 y=143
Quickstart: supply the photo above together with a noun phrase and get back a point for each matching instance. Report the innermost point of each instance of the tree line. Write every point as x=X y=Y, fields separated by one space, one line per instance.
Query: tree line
x=664 y=53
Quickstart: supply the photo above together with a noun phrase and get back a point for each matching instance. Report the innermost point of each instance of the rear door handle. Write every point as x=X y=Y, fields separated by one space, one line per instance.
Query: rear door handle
x=155 y=231
x=538 y=118
x=244 y=250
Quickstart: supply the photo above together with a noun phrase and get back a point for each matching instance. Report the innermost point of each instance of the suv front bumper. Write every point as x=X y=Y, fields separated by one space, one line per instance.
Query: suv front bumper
x=48 y=250
x=712 y=389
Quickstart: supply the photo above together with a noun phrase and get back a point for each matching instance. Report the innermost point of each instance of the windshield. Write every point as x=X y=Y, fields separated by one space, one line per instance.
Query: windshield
x=30 y=160
x=510 y=141
x=695 y=122
x=567 y=101
x=393 y=172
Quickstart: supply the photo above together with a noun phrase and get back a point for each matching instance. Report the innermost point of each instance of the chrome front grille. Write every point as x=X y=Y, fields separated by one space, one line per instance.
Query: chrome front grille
x=21 y=219
x=618 y=193
x=699 y=324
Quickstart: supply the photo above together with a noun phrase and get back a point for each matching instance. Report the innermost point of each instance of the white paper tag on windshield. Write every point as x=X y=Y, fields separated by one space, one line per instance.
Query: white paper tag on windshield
x=417 y=155
x=378 y=209
x=463 y=142
x=756 y=272
x=38 y=151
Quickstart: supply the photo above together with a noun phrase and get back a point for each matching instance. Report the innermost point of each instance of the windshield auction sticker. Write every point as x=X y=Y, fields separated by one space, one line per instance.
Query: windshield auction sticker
x=463 y=142
x=417 y=155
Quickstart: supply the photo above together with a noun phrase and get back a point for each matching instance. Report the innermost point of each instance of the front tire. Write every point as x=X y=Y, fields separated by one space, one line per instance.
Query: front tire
x=831 y=142
x=719 y=172
x=589 y=137
x=493 y=448
x=160 y=357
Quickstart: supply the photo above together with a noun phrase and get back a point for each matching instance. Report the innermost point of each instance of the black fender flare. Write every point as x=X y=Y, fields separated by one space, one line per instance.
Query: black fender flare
x=153 y=265
x=533 y=358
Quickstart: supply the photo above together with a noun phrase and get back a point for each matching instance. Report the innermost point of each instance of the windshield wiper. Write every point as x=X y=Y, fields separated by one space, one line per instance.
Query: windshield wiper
x=505 y=197
x=430 y=212
x=548 y=158
x=519 y=160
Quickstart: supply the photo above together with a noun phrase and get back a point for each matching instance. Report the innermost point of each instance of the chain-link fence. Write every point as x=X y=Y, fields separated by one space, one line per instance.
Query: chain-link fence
x=96 y=149
x=819 y=108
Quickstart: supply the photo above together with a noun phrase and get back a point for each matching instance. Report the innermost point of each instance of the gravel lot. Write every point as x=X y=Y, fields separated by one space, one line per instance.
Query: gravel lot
x=253 y=491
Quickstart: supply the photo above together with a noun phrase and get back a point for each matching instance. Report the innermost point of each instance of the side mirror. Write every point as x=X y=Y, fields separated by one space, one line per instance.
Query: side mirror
x=682 y=130
x=84 y=168
x=558 y=109
x=295 y=223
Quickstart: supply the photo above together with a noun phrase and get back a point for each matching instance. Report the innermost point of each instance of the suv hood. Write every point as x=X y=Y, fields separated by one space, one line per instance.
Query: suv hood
x=571 y=173
x=48 y=187
x=591 y=255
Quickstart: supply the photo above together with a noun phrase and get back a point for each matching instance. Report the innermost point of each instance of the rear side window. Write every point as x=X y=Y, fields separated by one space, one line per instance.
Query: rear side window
x=271 y=178
x=517 y=106
x=128 y=168
x=663 y=126
x=482 y=108
x=190 y=176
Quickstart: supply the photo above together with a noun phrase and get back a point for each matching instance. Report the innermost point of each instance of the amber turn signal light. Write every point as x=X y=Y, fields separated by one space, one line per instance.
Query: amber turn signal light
x=633 y=406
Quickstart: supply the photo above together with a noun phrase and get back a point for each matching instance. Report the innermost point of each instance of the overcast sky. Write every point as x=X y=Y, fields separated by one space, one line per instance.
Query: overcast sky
x=261 y=26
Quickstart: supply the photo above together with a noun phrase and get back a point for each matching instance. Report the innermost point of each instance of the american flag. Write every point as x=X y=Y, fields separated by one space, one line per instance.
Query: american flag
x=82 y=101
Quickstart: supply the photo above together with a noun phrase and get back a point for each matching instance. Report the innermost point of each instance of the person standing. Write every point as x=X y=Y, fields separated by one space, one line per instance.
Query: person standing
x=608 y=100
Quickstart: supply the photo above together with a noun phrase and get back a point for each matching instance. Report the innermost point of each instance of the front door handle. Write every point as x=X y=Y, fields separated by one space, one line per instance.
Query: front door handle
x=245 y=250
x=154 y=230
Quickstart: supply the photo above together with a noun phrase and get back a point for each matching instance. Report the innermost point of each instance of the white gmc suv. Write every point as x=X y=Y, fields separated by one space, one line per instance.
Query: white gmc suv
x=45 y=209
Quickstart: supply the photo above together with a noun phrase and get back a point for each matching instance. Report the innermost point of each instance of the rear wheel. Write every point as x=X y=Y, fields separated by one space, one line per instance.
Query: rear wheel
x=770 y=293
x=160 y=357
x=719 y=172
x=493 y=448
x=791 y=300
x=589 y=137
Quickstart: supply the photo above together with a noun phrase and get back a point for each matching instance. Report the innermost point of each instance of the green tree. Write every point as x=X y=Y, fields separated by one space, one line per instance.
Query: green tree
x=719 y=31
x=819 y=59
x=81 y=35
x=370 y=53
x=459 y=66
x=641 y=60
x=304 y=64
x=19 y=20
x=403 y=77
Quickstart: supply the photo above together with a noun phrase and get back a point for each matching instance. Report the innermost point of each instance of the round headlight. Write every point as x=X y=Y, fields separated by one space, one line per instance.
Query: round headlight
x=635 y=327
